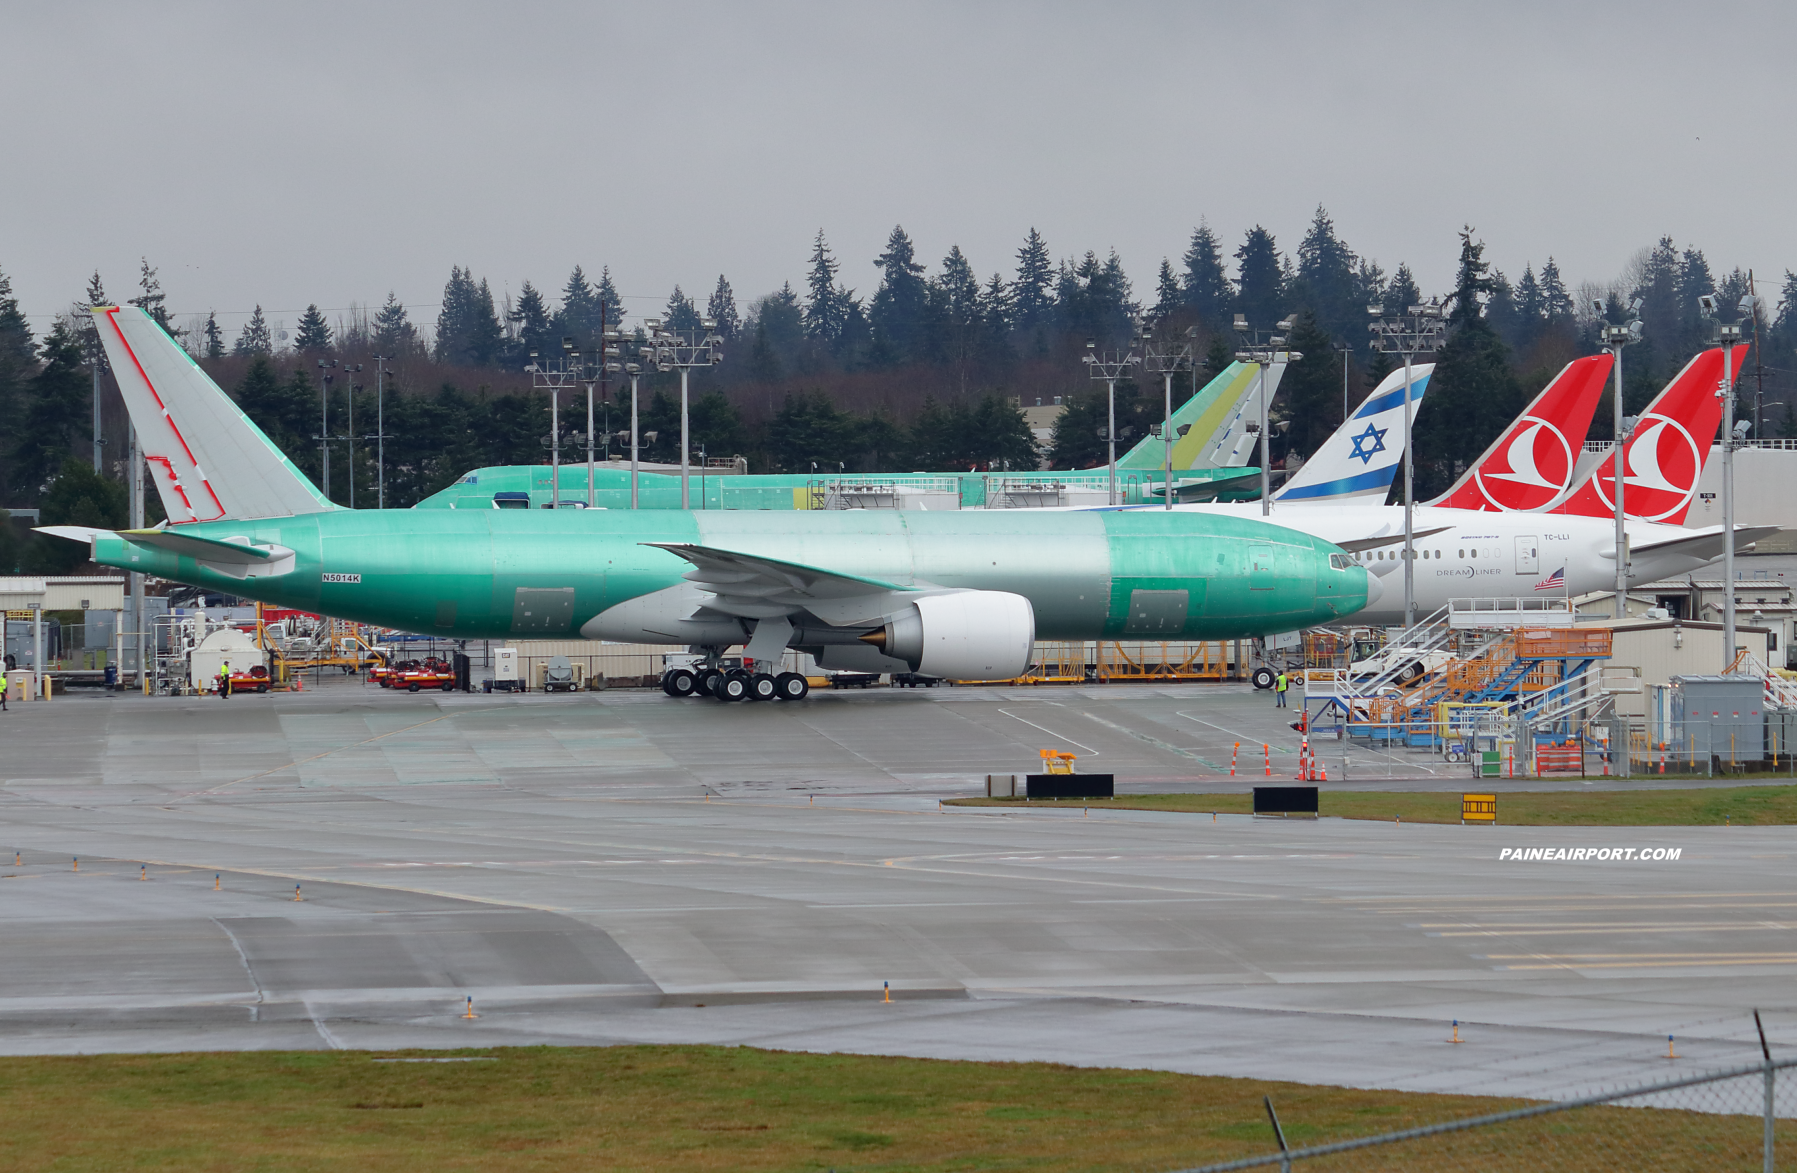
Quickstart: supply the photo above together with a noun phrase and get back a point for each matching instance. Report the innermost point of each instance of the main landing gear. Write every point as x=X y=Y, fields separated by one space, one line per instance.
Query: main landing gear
x=734 y=684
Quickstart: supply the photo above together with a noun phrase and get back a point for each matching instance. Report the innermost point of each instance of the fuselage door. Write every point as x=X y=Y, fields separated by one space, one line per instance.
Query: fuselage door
x=1528 y=550
x=1260 y=568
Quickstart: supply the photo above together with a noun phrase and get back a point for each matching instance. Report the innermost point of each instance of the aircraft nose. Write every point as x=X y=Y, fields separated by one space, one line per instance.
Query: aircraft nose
x=1375 y=589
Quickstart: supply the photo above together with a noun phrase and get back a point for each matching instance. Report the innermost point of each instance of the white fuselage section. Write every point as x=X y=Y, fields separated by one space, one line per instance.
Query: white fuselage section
x=1478 y=555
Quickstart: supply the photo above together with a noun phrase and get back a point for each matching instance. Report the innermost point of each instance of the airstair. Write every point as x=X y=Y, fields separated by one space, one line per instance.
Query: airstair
x=1488 y=660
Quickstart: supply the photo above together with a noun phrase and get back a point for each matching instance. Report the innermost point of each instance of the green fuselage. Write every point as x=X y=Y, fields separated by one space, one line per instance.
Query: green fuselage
x=709 y=491
x=458 y=573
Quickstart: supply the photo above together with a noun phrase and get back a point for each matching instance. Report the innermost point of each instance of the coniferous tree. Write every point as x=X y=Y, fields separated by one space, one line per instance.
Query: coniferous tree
x=1168 y=296
x=1327 y=281
x=901 y=302
x=18 y=359
x=77 y=495
x=1260 y=283
x=468 y=330
x=394 y=334
x=722 y=309
x=682 y=316
x=954 y=311
x=1311 y=390
x=579 y=313
x=1554 y=299
x=1531 y=309
x=1501 y=311
x=53 y=413
x=255 y=338
x=1403 y=292
x=534 y=325
x=824 y=309
x=1474 y=395
x=607 y=300
x=1032 y=294
x=213 y=338
x=1218 y=357
x=996 y=321
x=314 y=334
x=1207 y=288
x=810 y=429
x=150 y=299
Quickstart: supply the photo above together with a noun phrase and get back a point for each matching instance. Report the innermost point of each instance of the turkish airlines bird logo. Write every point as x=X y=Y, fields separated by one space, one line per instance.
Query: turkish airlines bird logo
x=1663 y=463
x=1533 y=470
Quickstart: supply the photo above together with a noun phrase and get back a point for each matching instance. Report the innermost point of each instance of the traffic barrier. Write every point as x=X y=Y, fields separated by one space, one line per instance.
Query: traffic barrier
x=1232 y=756
x=1268 y=750
x=470 y=1012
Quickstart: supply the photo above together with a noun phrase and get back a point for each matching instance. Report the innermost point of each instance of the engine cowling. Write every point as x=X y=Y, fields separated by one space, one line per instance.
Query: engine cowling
x=963 y=635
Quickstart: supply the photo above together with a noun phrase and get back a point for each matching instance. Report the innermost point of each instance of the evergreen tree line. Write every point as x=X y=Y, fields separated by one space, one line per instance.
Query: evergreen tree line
x=926 y=371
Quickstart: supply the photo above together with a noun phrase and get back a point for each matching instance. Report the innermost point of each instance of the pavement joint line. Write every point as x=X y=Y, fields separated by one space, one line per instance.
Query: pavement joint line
x=327 y=753
x=1090 y=752
x=1155 y=741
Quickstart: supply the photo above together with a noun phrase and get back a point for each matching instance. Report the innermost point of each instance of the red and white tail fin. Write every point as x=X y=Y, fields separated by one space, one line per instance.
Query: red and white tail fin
x=1665 y=455
x=208 y=460
x=1532 y=464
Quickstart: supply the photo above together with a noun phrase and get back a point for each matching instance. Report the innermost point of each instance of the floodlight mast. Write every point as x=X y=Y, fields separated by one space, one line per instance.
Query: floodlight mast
x=1730 y=337
x=1420 y=330
x=1614 y=338
x=671 y=350
x=554 y=377
x=1167 y=363
x=1110 y=365
x=1263 y=356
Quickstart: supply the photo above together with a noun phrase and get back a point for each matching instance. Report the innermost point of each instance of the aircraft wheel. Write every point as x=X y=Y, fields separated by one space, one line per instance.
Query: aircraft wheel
x=763 y=687
x=1263 y=678
x=790 y=686
x=678 y=682
x=411 y=688
x=709 y=679
x=733 y=686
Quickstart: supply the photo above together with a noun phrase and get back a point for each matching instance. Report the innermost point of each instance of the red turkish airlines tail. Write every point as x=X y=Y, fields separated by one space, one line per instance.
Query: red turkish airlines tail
x=1665 y=455
x=1531 y=465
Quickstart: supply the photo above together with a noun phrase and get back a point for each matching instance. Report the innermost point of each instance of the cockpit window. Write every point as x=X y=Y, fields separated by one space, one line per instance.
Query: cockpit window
x=1339 y=561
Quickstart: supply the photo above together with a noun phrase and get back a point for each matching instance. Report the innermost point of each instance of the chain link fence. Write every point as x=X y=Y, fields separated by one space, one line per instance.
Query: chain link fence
x=1732 y=1119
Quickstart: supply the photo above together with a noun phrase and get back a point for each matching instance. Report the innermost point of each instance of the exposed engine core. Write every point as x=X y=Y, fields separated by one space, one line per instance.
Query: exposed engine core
x=962 y=635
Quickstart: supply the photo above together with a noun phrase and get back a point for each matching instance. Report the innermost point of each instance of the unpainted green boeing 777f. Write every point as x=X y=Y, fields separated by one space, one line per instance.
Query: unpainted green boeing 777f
x=958 y=594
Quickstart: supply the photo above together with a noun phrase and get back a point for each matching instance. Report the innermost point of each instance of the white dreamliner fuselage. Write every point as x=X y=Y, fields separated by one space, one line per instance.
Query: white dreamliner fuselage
x=1468 y=554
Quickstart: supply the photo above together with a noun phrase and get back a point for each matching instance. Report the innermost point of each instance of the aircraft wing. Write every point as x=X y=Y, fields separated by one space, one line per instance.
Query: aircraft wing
x=749 y=586
x=1704 y=543
x=1360 y=545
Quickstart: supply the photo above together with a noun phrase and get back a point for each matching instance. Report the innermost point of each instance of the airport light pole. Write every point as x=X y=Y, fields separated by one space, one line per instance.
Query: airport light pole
x=1343 y=349
x=1110 y=366
x=1263 y=358
x=670 y=350
x=96 y=358
x=350 y=387
x=1167 y=363
x=324 y=420
x=555 y=378
x=635 y=372
x=380 y=430
x=1615 y=337
x=1730 y=337
x=1421 y=329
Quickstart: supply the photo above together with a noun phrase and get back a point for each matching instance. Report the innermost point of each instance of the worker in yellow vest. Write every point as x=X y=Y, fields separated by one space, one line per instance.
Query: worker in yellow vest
x=224 y=679
x=2 y=686
x=1280 y=684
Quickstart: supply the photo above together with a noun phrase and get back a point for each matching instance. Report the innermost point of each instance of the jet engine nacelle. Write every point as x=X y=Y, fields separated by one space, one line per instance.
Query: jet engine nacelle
x=963 y=635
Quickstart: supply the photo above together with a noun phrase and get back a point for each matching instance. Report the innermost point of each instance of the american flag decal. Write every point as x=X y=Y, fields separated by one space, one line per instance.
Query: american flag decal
x=1552 y=582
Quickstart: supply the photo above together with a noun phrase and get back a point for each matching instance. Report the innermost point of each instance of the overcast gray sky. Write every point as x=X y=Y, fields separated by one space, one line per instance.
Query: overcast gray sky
x=305 y=152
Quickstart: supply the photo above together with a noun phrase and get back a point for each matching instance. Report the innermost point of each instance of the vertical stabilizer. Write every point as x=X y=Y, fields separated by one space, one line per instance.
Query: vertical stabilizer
x=1664 y=455
x=209 y=461
x=1359 y=460
x=1532 y=464
x=1214 y=418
